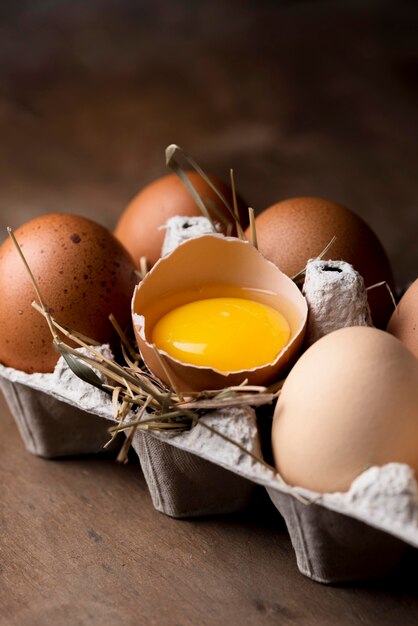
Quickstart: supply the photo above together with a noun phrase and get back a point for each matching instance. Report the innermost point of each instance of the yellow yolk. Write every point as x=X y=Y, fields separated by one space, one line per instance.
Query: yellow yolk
x=226 y=334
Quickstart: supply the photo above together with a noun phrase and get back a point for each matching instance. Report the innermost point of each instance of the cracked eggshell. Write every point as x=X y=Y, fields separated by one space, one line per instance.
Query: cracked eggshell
x=215 y=260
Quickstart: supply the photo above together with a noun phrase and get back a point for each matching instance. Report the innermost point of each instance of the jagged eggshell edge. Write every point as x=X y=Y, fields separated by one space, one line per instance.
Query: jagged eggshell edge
x=209 y=259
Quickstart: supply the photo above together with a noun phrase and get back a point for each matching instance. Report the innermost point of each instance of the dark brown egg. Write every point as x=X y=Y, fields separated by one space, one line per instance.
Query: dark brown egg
x=139 y=228
x=293 y=231
x=404 y=321
x=84 y=274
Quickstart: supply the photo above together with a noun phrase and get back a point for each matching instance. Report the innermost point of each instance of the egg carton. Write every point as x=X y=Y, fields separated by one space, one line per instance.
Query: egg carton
x=59 y=415
x=337 y=537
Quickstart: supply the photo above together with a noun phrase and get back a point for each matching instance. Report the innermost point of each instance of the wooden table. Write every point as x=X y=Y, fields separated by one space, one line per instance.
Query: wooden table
x=301 y=99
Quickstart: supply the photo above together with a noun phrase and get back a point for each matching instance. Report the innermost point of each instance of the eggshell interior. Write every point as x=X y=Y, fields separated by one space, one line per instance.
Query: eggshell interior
x=214 y=260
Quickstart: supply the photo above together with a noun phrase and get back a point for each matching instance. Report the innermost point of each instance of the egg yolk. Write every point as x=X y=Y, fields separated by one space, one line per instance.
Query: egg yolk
x=226 y=334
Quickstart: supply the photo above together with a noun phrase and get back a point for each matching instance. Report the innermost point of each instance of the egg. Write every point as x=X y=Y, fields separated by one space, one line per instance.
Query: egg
x=83 y=273
x=197 y=273
x=350 y=402
x=140 y=228
x=293 y=231
x=404 y=321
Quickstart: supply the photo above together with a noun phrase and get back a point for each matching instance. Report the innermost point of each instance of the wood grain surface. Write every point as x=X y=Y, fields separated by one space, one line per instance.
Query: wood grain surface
x=301 y=98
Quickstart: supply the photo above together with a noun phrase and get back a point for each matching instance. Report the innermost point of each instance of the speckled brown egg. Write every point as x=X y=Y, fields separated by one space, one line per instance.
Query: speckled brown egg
x=404 y=321
x=139 y=228
x=295 y=230
x=84 y=274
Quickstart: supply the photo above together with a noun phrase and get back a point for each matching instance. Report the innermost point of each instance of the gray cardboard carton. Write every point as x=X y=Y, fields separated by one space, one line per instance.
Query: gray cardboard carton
x=58 y=415
x=52 y=428
x=337 y=537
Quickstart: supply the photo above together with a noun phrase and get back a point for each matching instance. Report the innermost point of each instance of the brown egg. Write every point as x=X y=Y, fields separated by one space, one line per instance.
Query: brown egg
x=139 y=228
x=404 y=321
x=293 y=231
x=84 y=274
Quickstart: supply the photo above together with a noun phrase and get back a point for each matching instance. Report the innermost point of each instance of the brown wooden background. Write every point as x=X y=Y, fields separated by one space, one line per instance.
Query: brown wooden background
x=301 y=98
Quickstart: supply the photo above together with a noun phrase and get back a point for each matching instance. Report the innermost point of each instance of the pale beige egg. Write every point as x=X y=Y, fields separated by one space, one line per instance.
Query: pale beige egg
x=350 y=402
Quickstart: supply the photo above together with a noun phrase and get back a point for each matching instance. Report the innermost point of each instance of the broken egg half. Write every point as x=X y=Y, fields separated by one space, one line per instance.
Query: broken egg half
x=214 y=313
